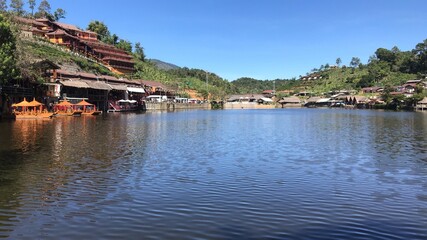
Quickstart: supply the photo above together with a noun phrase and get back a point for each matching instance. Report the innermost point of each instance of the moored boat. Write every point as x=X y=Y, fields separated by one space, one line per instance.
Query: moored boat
x=30 y=110
x=88 y=108
x=65 y=108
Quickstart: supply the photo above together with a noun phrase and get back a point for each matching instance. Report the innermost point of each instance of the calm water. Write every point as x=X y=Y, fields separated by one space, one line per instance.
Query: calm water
x=246 y=174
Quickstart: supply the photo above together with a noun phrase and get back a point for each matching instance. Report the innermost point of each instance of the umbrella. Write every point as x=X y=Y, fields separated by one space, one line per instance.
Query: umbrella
x=84 y=103
x=24 y=103
x=64 y=103
x=34 y=103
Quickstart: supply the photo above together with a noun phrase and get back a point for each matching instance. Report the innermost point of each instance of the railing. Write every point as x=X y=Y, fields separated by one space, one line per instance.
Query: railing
x=17 y=91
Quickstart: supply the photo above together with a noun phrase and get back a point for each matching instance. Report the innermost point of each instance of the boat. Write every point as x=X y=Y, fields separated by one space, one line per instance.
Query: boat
x=30 y=110
x=88 y=108
x=65 y=108
x=123 y=105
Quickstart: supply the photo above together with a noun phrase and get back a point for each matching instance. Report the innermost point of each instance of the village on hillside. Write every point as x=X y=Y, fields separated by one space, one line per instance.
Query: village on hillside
x=367 y=98
x=116 y=93
x=63 y=82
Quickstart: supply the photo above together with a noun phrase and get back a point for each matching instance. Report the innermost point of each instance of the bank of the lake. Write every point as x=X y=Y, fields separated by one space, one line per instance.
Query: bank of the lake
x=253 y=174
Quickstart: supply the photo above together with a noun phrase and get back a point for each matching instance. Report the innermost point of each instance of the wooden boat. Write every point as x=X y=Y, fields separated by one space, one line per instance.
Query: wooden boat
x=88 y=108
x=65 y=108
x=30 y=110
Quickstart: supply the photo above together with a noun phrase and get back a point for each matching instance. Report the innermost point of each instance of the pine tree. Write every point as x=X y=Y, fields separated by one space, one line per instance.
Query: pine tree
x=17 y=7
x=44 y=8
x=32 y=5
x=3 y=6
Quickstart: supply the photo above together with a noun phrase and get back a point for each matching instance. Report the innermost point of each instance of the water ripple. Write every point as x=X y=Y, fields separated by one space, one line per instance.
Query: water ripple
x=274 y=174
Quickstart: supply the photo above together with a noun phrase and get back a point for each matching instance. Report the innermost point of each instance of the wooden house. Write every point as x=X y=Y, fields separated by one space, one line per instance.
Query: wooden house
x=87 y=43
x=290 y=102
x=31 y=27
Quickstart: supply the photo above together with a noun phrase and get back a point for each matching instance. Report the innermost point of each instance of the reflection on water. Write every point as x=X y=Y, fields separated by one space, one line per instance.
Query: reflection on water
x=299 y=174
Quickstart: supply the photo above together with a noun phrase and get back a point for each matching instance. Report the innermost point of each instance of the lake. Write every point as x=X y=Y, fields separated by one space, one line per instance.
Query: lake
x=233 y=174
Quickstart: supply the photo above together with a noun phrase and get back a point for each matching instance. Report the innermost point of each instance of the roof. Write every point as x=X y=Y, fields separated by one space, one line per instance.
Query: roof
x=413 y=81
x=373 y=89
x=46 y=64
x=30 y=21
x=119 y=87
x=57 y=32
x=68 y=26
x=110 y=58
x=266 y=99
x=99 y=44
x=99 y=85
x=290 y=100
x=424 y=101
x=74 y=83
x=60 y=32
x=323 y=100
x=87 y=75
x=84 y=103
x=106 y=52
x=153 y=84
x=245 y=96
x=64 y=103
x=135 y=89
x=313 y=99
x=360 y=99
x=108 y=78
x=268 y=91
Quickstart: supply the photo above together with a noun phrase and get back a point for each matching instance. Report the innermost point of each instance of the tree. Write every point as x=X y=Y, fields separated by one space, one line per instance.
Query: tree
x=372 y=59
x=59 y=13
x=3 y=6
x=7 y=52
x=32 y=5
x=100 y=28
x=113 y=39
x=17 y=7
x=420 y=53
x=355 y=61
x=338 y=62
x=139 y=52
x=385 y=55
x=377 y=71
x=44 y=9
x=124 y=45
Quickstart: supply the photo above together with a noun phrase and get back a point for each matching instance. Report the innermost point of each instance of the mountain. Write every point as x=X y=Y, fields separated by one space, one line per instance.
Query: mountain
x=163 y=65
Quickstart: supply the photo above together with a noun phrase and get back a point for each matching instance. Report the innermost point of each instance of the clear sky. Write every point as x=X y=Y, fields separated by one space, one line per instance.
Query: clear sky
x=263 y=39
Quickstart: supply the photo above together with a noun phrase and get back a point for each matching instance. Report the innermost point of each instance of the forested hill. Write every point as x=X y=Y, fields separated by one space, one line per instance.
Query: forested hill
x=163 y=65
x=386 y=67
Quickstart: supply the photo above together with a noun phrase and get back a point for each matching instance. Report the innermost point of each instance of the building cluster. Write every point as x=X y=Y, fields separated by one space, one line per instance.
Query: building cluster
x=341 y=98
x=408 y=89
x=78 y=40
x=108 y=93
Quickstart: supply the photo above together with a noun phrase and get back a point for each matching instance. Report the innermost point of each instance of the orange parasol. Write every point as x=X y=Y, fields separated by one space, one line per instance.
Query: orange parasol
x=24 y=103
x=64 y=103
x=84 y=103
x=34 y=103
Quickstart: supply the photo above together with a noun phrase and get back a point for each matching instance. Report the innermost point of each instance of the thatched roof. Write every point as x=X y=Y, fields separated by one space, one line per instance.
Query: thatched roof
x=424 y=101
x=290 y=100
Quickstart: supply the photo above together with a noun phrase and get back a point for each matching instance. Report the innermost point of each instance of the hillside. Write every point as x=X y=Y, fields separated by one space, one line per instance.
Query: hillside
x=386 y=68
x=163 y=65
x=184 y=81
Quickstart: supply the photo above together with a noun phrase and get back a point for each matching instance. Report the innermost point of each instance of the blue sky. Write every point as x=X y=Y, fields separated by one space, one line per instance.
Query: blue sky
x=263 y=39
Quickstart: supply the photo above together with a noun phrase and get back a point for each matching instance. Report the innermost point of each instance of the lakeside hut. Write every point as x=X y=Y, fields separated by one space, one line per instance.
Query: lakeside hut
x=290 y=102
x=422 y=105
